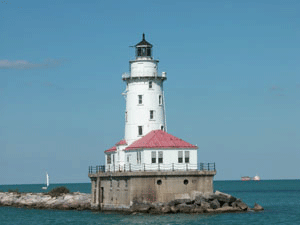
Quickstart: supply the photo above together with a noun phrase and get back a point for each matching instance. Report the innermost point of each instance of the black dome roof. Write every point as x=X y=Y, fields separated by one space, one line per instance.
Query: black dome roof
x=143 y=43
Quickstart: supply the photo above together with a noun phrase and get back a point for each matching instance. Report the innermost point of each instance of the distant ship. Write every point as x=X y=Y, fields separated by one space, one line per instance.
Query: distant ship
x=246 y=178
x=256 y=178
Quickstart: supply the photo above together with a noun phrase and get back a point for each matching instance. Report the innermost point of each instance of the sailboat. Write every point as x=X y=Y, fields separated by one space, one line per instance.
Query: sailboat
x=47 y=182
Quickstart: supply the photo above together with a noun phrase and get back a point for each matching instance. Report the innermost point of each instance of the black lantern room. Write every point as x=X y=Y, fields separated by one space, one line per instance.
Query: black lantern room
x=143 y=48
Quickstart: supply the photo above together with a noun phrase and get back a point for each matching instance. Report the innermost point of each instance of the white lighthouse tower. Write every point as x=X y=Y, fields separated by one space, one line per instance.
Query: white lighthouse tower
x=145 y=109
x=146 y=143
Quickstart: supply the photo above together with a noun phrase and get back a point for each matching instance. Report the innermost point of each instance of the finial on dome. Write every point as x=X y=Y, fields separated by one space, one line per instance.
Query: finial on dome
x=143 y=36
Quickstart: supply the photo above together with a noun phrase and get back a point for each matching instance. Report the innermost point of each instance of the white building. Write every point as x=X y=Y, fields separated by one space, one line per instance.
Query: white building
x=147 y=145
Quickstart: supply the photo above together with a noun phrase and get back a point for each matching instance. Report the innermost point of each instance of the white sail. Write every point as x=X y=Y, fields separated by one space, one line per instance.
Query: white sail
x=47 y=182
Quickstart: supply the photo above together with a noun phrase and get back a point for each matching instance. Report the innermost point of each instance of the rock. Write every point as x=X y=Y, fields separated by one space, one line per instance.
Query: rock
x=228 y=196
x=234 y=204
x=155 y=210
x=258 y=207
x=74 y=205
x=208 y=195
x=158 y=204
x=215 y=204
x=78 y=201
x=191 y=202
x=180 y=201
x=225 y=205
x=243 y=206
x=199 y=199
x=223 y=197
x=140 y=207
x=227 y=209
x=173 y=203
x=184 y=208
x=68 y=197
x=166 y=209
x=198 y=210
x=194 y=194
x=174 y=209
x=210 y=210
x=205 y=205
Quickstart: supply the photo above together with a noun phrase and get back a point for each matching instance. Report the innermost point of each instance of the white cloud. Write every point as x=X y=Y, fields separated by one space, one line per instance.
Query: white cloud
x=23 y=64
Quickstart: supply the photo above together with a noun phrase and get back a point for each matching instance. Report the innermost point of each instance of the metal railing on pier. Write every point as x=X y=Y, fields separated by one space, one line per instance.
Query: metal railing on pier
x=153 y=167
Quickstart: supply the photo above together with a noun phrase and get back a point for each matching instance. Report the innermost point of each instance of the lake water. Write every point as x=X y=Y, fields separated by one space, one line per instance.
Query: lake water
x=280 y=198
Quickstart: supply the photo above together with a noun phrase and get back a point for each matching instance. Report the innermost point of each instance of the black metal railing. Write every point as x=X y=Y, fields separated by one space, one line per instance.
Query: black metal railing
x=97 y=169
x=153 y=167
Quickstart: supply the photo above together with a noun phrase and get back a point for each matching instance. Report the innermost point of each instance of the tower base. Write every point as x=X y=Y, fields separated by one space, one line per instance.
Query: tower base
x=119 y=190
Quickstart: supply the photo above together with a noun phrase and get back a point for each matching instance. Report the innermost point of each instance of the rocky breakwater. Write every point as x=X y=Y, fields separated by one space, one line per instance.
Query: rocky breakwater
x=75 y=201
x=217 y=202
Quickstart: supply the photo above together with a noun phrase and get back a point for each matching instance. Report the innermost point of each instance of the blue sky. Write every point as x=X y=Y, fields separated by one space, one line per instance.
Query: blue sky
x=233 y=83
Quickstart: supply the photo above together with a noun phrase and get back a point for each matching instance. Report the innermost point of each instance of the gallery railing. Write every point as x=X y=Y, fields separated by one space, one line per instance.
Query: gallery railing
x=152 y=167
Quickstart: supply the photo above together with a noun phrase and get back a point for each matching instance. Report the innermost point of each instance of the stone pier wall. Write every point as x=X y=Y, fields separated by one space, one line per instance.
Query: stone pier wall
x=119 y=190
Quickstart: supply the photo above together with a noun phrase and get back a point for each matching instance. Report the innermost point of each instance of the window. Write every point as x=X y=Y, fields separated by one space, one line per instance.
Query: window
x=140 y=130
x=126 y=117
x=143 y=51
x=109 y=159
x=150 y=84
x=148 y=51
x=138 y=157
x=187 y=156
x=180 y=156
x=160 y=156
x=113 y=158
x=162 y=127
x=153 y=156
x=151 y=114
x=140 y=99
x=160 y=100
x=139 y=52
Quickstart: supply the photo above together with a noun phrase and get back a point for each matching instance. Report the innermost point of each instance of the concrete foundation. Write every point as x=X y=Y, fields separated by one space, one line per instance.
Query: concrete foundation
x=118 y=190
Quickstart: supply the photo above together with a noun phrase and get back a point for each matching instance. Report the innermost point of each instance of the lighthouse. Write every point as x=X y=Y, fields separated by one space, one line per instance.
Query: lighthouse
x=148 y=165
x=145 y=108
x=146 y=142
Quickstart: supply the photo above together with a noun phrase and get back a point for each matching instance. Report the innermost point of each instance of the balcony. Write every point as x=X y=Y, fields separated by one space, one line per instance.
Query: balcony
x=153 y=167
x=126 y=76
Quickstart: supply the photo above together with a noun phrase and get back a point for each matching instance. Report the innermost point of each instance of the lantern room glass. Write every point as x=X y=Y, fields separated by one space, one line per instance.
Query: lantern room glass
x=143 y=52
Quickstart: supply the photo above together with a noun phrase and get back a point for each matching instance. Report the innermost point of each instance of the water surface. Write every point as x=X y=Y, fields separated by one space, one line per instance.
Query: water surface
x=280 y=198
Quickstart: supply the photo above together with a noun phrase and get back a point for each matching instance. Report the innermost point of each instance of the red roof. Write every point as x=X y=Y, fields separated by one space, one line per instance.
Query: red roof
x=160 y=139
x=114 y=148
x=122 y=142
